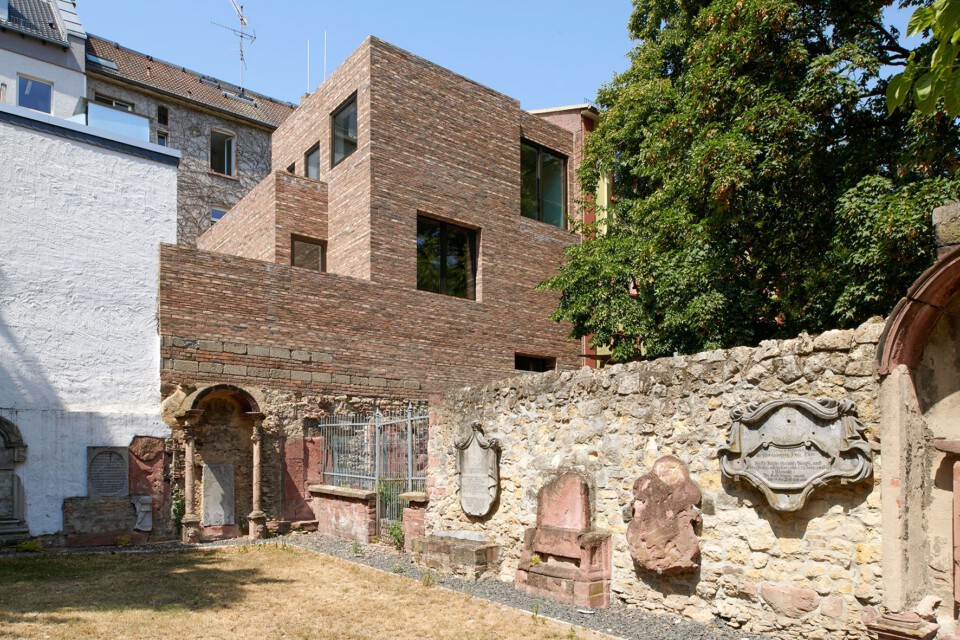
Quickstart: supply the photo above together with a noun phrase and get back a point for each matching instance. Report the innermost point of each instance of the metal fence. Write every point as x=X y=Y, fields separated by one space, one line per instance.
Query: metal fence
x=383 y=452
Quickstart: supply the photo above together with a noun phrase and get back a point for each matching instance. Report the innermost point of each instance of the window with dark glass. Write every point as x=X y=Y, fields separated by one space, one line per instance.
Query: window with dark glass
x=533 y=363
x=162 y=138
x=217 y=213
x=221 y=152
x=307 y=254
x=34 y=94
x=163 y=116
x=99 y=98
x=446 y=258
x=542 y=184
x=344 y=128
x=311 y=160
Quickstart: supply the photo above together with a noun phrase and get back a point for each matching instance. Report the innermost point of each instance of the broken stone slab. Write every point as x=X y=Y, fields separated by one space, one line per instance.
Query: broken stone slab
x=661 y=534
x=791 y=602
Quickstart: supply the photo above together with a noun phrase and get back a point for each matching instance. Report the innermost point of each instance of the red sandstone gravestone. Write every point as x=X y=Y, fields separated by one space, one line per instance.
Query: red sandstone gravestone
x=563 y=558
x=661 y=534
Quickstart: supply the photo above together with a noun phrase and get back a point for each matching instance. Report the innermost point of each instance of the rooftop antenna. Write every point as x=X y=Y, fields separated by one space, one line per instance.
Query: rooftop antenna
x=242 y=35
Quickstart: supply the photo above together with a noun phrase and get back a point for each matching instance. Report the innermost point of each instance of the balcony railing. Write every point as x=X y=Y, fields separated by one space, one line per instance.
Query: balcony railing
x=119 y=122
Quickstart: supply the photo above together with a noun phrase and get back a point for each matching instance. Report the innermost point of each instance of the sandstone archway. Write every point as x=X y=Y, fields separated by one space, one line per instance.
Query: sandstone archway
x=13 y=451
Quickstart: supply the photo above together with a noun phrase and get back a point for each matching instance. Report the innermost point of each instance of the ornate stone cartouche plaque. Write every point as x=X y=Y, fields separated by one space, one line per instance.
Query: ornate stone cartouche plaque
x=788 y=447
x=478 y=466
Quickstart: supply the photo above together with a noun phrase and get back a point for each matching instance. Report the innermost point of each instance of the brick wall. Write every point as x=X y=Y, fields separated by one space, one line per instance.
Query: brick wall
x=226 y=319
x=414 y=528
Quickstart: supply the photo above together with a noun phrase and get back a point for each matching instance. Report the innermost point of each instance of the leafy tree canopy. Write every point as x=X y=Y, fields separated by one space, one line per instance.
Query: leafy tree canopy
x=760 y=187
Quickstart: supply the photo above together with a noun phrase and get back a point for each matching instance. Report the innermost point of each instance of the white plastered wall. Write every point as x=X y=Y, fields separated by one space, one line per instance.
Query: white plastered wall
x=69 y=86
x=79 y=350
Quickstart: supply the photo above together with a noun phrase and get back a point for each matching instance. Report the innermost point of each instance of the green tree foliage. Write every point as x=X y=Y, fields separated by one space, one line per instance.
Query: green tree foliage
x=931 y=72
x=760 y=187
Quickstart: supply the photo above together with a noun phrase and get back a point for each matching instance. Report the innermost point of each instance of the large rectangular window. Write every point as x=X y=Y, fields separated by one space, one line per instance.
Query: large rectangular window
x=542 y=184
x=344 y=127
x=446 y=258
x=221 y=152
x=34 y=94
x=533 y=363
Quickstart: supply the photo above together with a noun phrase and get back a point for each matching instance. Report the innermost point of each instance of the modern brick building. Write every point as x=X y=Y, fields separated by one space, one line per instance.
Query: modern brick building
x=392 y=253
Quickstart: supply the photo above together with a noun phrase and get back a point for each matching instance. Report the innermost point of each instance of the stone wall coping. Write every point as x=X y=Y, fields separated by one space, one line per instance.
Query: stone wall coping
x=414 y=496
x=342 y=492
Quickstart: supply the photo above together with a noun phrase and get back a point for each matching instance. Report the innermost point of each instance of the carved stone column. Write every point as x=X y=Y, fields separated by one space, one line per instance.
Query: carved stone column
x=190 y=524
x=257 y=520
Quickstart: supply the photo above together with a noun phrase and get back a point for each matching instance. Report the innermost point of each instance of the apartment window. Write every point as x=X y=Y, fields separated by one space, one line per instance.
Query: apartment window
x=34 y=94
x=162 y=138
x=216 y=214
x=306 y=254
x=112 y=102
x=222 y=149
x=533 y=363
x=344 y=128
x=163 y=115
x=446 y=258
x=542 y=184
x=311 y=162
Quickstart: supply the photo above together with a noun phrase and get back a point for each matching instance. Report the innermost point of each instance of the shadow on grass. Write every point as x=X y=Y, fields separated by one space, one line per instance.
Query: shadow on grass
x=48 y=588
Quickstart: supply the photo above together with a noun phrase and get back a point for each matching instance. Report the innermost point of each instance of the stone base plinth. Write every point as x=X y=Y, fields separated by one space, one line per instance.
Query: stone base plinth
x=563 y=584
x=345 y=513
x=462 y=553
x=190 y=529
x=566 y=565
x=257 y=525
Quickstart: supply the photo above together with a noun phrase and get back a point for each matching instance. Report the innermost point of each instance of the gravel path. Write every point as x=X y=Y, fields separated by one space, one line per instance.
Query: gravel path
x=615 y=620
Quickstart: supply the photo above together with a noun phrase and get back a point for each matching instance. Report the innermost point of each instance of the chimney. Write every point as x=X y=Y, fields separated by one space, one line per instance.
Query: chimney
x=946 y=225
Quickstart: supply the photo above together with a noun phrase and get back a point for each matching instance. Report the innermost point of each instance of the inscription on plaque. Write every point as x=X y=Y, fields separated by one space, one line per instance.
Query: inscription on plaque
x=478 y=467
x=218 y=495
x=108 y=473
x=787 y=447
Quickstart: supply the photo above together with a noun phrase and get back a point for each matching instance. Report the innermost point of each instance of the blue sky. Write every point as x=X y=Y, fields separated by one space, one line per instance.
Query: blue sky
x=545 y=54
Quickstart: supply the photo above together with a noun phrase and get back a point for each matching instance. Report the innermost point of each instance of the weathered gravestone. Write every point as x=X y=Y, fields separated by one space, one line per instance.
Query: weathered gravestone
x=108 y=472
x=478 y=468
x=787 y=447
x=661 y=534
x=218 y=495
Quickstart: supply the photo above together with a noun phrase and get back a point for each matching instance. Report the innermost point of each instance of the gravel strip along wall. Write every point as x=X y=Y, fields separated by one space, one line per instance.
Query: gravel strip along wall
x=812 y=574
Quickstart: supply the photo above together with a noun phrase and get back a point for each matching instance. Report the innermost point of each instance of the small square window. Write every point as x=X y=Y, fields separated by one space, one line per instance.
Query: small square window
x=216 y=214
x=162 y=138
x=344 y=128
x=533 y=363
x=311 y=160
x=446 y=258
x=542 y=184
x=163 y=115
x=222 y=149
x=306 y=254
x=34 y=94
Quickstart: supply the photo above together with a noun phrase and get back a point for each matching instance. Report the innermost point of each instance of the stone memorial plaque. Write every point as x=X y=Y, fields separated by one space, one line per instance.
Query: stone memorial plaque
x=108 y=472
x=478 y=467
x=218 y=495
x=789 y=446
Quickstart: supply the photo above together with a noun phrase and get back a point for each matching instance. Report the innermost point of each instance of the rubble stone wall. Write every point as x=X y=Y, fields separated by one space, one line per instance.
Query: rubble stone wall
x=814 y=573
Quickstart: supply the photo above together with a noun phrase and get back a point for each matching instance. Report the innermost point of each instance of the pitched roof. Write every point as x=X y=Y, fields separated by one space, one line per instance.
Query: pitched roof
x=149 y=72
x=37 y=18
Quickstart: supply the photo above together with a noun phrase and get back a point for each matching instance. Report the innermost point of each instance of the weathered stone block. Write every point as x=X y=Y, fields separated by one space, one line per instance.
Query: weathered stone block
x=211 y=367
x=235 y=347
x=211 y=345
x=792 y=602
x=185 y=365
x=303 y=356
x=280 y=352
x=254 y=350
x=235 y=369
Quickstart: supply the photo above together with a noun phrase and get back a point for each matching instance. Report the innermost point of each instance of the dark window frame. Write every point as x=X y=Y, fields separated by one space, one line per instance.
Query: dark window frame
x=540 y=149
x=306 y=161
x=166 y=138
x=230 y=160
x=533 y=364
x=220 y=217
x=351 y=99
x=28 y=78
x=163 y=115
x=109 y=101
x=313 y=241
x=474 y=251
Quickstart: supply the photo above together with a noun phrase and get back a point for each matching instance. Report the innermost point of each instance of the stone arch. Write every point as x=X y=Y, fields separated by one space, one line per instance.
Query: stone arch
x=248 y=404
x=13 y=450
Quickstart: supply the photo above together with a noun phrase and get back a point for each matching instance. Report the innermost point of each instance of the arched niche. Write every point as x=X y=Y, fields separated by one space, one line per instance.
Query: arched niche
x=13 y=451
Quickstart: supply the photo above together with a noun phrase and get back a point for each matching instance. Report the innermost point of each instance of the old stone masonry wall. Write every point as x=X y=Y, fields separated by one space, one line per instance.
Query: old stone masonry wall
x=813 y=573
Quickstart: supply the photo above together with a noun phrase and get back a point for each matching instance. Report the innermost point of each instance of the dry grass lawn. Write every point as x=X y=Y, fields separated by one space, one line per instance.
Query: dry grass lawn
x=260 y=592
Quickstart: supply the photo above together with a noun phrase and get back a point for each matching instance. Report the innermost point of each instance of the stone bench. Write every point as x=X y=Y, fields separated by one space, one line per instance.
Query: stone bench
x=466 y=554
